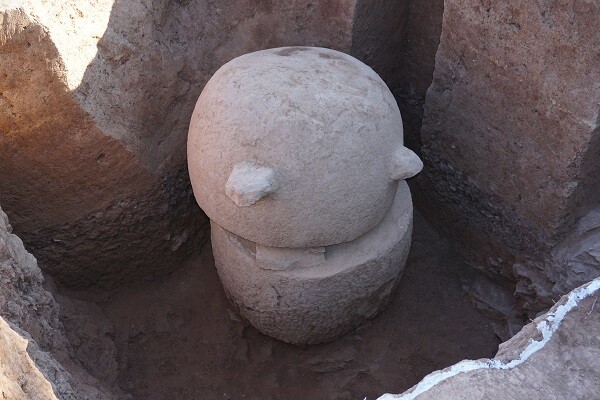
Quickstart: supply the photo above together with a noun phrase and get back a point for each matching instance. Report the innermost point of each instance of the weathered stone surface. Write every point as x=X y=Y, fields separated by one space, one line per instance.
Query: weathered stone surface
x=35 y=355
x=557 y=356
x=296 y=154
x=297 y=147
x=314 y=303
x=511 y=138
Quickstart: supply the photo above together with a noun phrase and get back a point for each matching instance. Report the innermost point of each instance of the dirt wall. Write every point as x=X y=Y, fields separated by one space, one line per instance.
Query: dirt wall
x=509 y=135
x=37 y=359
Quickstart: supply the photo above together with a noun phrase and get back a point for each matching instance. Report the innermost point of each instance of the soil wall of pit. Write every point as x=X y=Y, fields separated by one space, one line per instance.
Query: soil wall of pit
x=510 y=140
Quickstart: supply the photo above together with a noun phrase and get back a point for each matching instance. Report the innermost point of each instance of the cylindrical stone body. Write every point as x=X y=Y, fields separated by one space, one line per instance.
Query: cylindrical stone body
x=317 y=304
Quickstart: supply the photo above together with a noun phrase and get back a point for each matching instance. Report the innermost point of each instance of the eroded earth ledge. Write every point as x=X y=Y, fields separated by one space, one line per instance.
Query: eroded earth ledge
x=557 y=356
x=37 y=360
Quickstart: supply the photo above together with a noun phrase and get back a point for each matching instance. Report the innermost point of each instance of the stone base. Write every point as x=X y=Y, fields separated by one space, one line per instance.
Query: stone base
x=315 y=295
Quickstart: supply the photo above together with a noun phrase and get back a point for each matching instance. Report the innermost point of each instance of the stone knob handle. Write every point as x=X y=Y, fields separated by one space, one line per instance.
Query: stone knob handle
x=405 y=164
x=248 y=183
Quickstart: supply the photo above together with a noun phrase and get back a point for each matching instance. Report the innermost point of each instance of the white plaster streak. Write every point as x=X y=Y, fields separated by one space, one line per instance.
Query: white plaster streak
x=546 y=327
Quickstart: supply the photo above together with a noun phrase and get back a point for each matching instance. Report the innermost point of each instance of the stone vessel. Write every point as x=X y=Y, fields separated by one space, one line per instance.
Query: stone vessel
x=296 y=155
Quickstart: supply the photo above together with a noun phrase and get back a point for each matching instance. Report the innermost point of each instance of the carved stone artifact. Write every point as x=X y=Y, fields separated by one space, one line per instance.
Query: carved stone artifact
x=296 y=155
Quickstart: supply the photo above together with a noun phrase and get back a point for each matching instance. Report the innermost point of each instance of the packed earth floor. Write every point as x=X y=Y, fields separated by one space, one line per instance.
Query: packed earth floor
x=178 y=339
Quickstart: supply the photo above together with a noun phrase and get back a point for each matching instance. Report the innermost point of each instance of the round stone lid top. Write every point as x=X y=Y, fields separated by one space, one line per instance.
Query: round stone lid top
x=297 y=147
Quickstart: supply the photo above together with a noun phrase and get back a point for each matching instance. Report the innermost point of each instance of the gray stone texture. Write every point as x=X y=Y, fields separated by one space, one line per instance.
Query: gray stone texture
x=296 y=154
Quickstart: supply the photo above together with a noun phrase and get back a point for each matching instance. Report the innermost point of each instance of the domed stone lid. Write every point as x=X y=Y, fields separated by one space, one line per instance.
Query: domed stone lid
x=297 y=147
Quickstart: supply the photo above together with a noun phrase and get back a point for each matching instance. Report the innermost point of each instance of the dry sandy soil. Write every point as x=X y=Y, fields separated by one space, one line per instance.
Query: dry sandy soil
x=177 y=338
